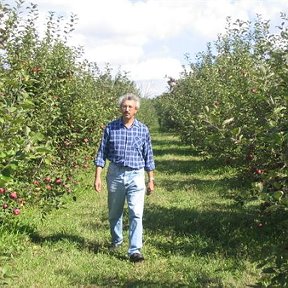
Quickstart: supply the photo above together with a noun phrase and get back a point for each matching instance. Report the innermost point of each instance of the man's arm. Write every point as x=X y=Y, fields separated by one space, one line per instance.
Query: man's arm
x=150 y=184
x=100 y=160
x=98 y=182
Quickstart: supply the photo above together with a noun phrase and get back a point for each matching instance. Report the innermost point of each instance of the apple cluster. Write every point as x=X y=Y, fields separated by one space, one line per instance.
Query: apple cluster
x=11 y=202
x=48 y=185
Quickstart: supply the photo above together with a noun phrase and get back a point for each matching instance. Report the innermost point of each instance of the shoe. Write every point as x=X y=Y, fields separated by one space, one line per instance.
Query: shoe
x=136 y=257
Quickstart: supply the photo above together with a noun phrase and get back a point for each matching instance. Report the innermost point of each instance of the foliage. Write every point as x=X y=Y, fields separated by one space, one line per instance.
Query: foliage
x=233 y=105
x=147 y=113
x=52 y=103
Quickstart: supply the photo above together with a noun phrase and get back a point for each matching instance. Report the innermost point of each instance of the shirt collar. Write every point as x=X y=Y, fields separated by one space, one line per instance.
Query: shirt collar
x=135 y=123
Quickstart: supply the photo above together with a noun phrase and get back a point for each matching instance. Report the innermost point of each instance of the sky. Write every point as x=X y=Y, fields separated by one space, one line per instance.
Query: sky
x=150 y=39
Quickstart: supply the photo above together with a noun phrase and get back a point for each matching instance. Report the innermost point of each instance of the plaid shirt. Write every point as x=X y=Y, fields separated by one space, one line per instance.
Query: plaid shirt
x=124 y=146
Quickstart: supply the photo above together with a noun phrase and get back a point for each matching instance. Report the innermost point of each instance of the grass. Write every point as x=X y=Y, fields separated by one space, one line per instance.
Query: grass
x=194 y=233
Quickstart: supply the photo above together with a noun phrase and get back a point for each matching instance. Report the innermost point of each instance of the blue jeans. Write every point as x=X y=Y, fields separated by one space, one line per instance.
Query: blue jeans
x=126 y=183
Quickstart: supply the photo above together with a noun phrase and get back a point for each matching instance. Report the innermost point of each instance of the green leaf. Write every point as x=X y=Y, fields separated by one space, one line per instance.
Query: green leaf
x=269 y=270
x=259 y=186
x=4 y=180
x=36 y=137
x=228 y=121
x=9 y=169
x=236 y=131
x=3 y=155
x=12 y=109
x=47 y=161
x=27 y=104
x=284 y=202
x=278 y=195
x=279 y=109
x=43 y=149
x=27 y=130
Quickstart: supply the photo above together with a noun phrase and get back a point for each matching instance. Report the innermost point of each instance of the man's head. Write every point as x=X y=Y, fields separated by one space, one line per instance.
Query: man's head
x=129 y=105
x=131 y=97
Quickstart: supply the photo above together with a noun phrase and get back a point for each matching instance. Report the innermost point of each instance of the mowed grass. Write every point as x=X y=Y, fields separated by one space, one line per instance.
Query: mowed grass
x=194 y=233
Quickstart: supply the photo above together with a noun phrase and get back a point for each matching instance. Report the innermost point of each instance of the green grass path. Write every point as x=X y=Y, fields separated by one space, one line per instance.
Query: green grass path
x=194 y=235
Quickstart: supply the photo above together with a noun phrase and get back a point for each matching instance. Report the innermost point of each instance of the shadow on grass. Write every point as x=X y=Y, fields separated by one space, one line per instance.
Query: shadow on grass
x=180 y=151
x=108 y=280
x=81 y=242
x=184 y=167
x=163 y=147
x=228 y=232
x=222 y=186
x=113 y=282
x=173 y=147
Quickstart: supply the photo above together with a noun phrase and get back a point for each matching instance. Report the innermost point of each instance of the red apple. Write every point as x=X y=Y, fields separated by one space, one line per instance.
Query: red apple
x=48 y=187
x=13 y=195
x=259 y=171
x=5 y=206
x=47 y=179
x=2 y=190
x=58 y=181
x=16 y=211
x=36 y=182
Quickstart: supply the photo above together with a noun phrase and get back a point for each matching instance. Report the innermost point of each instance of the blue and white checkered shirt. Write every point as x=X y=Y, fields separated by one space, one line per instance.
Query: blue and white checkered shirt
x=124 y=146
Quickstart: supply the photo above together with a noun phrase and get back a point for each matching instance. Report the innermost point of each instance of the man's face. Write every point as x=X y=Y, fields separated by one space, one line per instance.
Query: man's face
x=128 y=109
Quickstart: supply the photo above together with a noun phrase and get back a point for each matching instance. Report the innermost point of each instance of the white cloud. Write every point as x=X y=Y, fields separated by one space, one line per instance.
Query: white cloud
x=117 y=53
x=155 y=68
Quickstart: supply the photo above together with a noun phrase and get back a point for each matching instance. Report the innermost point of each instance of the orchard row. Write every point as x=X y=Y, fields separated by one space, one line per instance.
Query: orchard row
x=232 y=104
x=53 y=105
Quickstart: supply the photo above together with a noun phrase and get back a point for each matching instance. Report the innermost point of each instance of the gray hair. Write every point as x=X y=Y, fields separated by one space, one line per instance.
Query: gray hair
x=129 y=96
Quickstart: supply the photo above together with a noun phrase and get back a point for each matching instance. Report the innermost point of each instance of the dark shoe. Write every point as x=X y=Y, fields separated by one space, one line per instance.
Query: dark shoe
x=136 y=257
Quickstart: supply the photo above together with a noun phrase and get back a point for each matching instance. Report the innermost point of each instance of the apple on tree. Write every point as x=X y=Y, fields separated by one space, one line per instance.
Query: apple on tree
x=16 y=211
x=58 y=181
x=13 y=195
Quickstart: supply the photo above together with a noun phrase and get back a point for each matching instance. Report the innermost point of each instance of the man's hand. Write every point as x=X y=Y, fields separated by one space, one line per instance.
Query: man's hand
x=150 y=187
x=98 y=184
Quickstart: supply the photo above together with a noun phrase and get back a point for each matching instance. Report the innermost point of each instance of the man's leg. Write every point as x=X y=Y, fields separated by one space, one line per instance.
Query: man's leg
x=116 y=200
x=135 y=200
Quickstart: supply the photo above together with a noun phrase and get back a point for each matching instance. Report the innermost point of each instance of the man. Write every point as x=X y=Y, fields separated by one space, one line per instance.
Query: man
x=126 y=143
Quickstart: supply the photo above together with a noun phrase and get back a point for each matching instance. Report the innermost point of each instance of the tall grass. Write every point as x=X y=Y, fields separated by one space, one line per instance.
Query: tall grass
x=194 y=233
